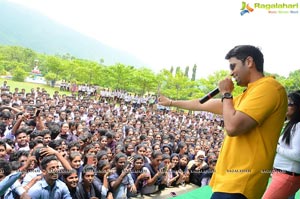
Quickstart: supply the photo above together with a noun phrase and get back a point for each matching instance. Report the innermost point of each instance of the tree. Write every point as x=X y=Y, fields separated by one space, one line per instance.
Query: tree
x=54 y=65
x=143 y=81
x=85 y=71
x=177 y=70
x=161 y=79
x=16 y=54
x=19 y=74
x=186 y=73
x=101 y=61
x=172 y=70
x=295 y=76
x=51 y=78
x=119 y=76
x=178 y=86
x=17 y=60
x=194 y=72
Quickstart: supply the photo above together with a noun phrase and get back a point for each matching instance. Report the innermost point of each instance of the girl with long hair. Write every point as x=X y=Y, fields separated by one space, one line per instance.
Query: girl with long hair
x=286 y=173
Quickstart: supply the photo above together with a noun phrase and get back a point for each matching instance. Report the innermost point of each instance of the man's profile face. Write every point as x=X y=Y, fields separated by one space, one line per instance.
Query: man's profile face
x=239 y=71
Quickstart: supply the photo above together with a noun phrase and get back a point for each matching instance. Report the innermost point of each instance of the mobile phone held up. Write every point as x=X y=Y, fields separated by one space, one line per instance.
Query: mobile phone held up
x=173 y=194
x=37 y=113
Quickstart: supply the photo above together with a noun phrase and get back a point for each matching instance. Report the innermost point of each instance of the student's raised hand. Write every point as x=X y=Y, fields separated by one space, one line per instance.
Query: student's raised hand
x=127 y=169
x=144 y=176
x=169 y=166
x=48 y=151
x=133 y=189
x=25 y=116
x=162 y=171
x=39 y=177
x=130 y=159
x=30 y=161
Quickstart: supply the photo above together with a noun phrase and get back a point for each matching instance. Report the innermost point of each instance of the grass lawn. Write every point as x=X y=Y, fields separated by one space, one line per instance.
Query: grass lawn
x=27 y=86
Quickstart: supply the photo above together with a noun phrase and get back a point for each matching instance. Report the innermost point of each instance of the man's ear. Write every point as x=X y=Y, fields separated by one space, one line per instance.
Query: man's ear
x=9 y=149
x=44 y=172
x=249 y=61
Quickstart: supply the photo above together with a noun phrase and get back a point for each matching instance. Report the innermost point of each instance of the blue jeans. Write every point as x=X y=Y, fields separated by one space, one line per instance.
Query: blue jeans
x=221 y=195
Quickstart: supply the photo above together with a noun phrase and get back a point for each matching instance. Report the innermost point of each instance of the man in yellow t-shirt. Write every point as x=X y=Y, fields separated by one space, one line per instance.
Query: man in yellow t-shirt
x=252 y=123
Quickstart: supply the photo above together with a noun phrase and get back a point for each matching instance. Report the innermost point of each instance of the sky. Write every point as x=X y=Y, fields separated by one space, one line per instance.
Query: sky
x=165 y=33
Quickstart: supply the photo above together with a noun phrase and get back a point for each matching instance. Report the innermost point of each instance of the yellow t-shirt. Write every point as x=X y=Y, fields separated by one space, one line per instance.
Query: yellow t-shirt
x=245 y=161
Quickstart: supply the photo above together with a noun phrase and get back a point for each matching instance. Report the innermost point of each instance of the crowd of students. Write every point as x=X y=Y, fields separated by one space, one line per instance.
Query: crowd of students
x=102 y=147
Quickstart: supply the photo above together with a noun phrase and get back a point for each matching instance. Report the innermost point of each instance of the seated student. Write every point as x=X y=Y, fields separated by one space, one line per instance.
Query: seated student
x=50 y=185
x=177 y=173
x=101 y=155
x=101 y=182
x=22 y=140
x=140 y=149
x=207 y=174
x=183 y=162
x=86 y=188
x=46 y=137
x=166 y=164
x=73 y=147
x=3 y=153
x=71 y=180
x=139 y=174
x=75 y=162
x=120 y=179
x=157 y=176
x=89 y=149
x=90 y=159
x=10 y=187
x=197 y=168
x=166 y=149
x=33 y=175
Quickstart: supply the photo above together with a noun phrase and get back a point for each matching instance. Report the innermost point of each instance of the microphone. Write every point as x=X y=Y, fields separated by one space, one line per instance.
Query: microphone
x=209 y=95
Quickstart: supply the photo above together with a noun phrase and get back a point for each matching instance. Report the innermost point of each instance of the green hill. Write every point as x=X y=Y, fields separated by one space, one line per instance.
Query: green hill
x=21 y=26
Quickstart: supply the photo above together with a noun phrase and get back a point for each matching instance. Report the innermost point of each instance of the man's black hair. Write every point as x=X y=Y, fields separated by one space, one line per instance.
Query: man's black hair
x=33 y=143
x=72 y=144
x=54 y=128
x=46 y=160
x=2 y=143
x=15 y=165
x=19 y=131
x=241 y=52
x=87 y=168
x=2 y=128
x=55 y=143
x=109 y=135
x=5 y=167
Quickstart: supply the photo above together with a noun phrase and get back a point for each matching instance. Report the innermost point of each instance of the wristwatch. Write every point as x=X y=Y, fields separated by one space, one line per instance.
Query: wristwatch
x=227 y=96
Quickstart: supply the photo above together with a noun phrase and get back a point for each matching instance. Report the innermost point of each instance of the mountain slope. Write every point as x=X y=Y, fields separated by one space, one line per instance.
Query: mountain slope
x=24 y=27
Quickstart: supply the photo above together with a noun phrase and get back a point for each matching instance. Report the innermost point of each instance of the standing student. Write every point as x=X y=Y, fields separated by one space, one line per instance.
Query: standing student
x=286 y=173
x=252 y=122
